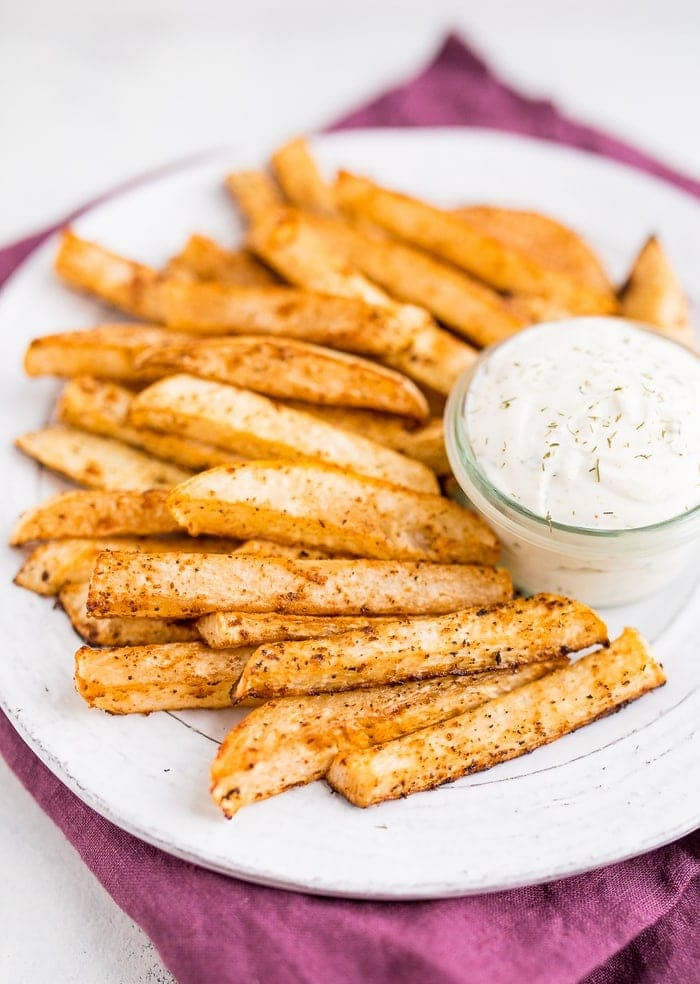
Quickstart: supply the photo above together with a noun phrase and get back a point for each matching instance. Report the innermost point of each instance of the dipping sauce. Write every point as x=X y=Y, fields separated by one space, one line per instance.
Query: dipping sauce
x=579 y=443
x=594 y=423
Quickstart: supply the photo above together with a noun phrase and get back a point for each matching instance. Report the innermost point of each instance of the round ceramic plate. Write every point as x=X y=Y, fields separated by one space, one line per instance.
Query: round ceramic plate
x=617 y=788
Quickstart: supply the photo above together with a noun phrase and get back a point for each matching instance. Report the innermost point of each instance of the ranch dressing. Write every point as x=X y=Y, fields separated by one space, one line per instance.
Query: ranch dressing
x=593 y=424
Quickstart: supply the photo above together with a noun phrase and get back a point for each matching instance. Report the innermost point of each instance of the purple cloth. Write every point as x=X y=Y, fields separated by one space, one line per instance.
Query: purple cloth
x=632 y=922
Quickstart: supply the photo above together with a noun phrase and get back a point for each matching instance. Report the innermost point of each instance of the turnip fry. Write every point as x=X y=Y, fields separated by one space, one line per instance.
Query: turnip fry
x=254 y=426
x=172 y=586
x=503 y=729
x=339 y=322
x=127 y=285
x=107 y=351
x=141 y=679
x=51 y=566
x=292 y=741
x=300 y=179
x=337 y=510
x=98 y=462
x=122 y=631
x=551 y=243
x=290 y=369
x=102 y=407
x=470 y=641
x=203 y=259
x=254 y=192
x=221 y=630
x=96 y=513
x=453 y=239
x=654 y=295
x=424 y=442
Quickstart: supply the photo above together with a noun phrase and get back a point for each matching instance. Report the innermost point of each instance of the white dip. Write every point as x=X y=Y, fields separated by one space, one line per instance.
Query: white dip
x=594 y=424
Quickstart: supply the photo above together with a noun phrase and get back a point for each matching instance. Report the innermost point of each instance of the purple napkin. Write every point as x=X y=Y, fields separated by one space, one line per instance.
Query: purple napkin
x=632 y=922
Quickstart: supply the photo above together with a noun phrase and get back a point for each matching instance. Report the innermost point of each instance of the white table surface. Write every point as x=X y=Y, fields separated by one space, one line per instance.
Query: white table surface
x=93 y=93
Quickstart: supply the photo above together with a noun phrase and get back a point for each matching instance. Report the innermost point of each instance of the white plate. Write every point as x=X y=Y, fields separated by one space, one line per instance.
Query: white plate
x=617 y=788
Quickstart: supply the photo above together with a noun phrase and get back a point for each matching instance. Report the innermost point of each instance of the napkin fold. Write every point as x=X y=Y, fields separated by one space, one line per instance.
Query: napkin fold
x=636 y=921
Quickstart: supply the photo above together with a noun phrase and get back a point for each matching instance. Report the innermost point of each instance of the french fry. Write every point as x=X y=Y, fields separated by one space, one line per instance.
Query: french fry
x=322 y=506
x=470 y=641
x=465 y=304
x=51 y=566
x=553 y=244
x=203 y=259
x=253 y=426
x=121 y=631
x=221 y=630
x=184 y=586
x=452 y=238
x=266 y=548
x=289 y=369
x=102 y=407
x=253 y=192
x=300 y=179
x=127 y=285
x=654 y=295
x=511 y=725
x=339 y=322
x=288 y=243
x=98 y=513
x=424 y=442
x=170 y=677
x=98 y=462
x=108 y=351
x=292 y=741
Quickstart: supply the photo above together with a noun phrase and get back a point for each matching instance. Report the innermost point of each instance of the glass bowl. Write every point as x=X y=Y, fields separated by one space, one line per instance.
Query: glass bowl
x=599 y=567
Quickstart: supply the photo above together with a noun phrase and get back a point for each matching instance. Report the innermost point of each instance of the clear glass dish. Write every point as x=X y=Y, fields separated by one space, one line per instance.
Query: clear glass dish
x=600 y=567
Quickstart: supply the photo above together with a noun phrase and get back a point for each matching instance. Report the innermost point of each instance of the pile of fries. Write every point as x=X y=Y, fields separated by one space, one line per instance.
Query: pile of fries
x=262 y=519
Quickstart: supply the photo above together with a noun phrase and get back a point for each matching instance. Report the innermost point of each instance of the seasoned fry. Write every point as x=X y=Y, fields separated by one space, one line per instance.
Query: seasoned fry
x=424 y=442
x=172 y=586
x=98 y=462
x=289 y=369
x=223 y=629
x=471 y=641
x=453 y=239
x=122 y=631
x=253 y=191
x=322 y=506
x=292 y=741
x=553 y=244
x=289 y=244
x=339 y=322
x=265 y=548
x=141 y=679
x=104 y=408
x=53 y=565
x=108 y=351
x=654 y=294
x=253 y=426
x=99 y=513
x=204 y=259
x=300 y=179
x=468 y=306
x=127 y=285
x=511 y=725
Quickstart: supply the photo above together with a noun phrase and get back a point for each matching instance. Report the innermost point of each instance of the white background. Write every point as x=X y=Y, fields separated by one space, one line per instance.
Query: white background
x=93 y=92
